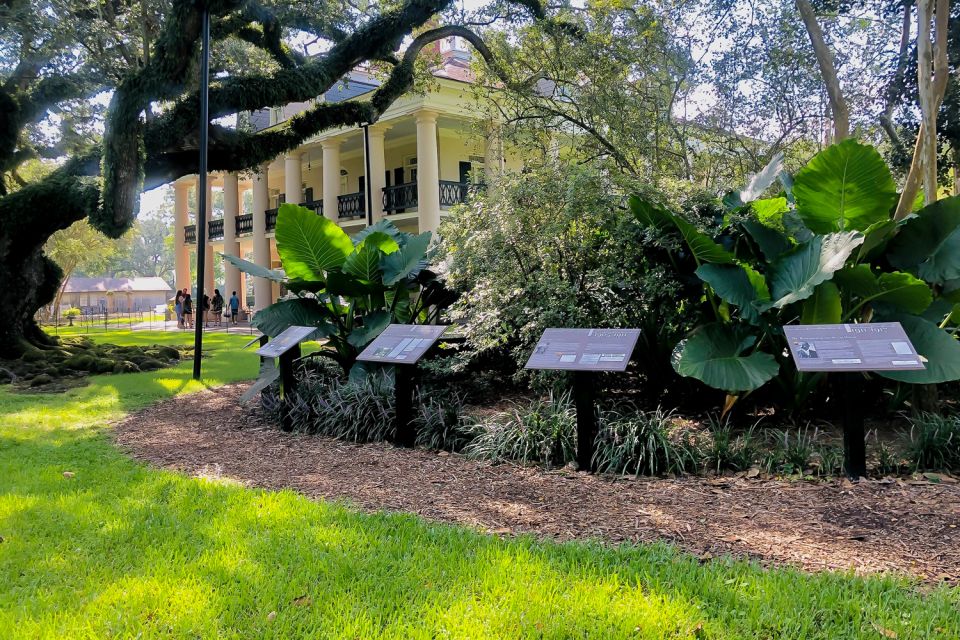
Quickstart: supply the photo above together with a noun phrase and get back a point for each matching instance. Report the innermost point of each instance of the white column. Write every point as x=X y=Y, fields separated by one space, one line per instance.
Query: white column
x=293 y=178
x=208 y=274
x=181 y=253
x=378 y=166
x=428 y=172
x=231 y=209
x=331 y=178
x=261 y=243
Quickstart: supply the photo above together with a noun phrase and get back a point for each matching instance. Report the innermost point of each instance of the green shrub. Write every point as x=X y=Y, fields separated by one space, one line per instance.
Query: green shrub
x=358 y=411
x=729 y=451
x=544 y=431
x=644 y=443
x=935 y=442
x=441 y=423
x=829 y=460
x=554 y=247
x=888 y=460
x=791 y=451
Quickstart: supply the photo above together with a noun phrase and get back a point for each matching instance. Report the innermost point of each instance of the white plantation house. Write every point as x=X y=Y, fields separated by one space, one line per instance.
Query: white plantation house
x=425 y=154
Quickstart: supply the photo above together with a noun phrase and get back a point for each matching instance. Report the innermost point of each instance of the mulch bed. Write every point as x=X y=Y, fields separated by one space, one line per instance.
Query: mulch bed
x=904 y=526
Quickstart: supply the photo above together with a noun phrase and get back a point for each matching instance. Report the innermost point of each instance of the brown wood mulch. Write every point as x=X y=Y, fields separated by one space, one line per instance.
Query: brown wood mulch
x=904 y=526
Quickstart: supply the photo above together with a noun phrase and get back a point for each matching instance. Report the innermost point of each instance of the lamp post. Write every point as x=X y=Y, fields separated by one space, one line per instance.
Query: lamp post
x=202 y=185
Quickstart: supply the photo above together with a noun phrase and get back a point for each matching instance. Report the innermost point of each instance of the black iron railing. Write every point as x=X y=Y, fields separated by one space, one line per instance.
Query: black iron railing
x=315 y=205
x=351 y=205
x=398 y=198
x=453 y=193
x=215 y=229
x=190 y=234
x=245 y=224
x=271 y=219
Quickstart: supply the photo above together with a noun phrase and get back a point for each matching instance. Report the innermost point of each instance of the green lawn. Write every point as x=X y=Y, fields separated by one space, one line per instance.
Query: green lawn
x=122 y=551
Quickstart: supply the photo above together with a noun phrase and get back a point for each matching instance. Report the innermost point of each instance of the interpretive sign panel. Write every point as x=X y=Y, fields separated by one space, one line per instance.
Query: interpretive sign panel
x=874 y=346
x=288 y=339
x=402 y=343
x=584 y=349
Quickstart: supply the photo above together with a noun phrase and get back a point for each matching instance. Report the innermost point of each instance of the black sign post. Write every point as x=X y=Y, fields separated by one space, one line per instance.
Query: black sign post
x=402 y=346
x=584 y=352
x=286 y=348
x=850 y=350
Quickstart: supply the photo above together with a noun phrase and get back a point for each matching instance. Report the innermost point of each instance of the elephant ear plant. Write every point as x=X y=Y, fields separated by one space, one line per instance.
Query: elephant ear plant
x=823 y=250
x=350 y=289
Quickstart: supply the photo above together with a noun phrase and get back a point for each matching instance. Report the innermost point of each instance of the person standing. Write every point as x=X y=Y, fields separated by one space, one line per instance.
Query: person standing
x=205 y=309
x=234 y=307
x=187 y=312
x=217 y=304
x=178 y=308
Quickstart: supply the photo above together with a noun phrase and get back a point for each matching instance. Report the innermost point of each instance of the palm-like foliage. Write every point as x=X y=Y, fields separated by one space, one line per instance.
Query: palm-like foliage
x=350 y=289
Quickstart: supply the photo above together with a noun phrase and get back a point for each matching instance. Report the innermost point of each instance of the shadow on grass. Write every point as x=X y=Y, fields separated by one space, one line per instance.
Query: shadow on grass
x=122 y=550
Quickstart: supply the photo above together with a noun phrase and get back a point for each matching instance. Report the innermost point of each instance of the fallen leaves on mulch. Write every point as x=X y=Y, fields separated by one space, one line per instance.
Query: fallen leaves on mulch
x=908 y=527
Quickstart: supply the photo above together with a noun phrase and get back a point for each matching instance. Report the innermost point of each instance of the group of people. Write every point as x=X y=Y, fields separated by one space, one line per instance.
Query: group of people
x=183 y=305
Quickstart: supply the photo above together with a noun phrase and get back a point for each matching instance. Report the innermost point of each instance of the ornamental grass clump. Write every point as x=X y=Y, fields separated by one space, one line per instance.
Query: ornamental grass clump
x=644 y=443
x=544 y=431
x=728 y=450
x=357 y=411
x=441 y=423
x=935 y=442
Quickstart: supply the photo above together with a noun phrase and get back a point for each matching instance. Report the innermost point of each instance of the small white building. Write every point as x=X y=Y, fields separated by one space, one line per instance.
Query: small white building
x=115 y=295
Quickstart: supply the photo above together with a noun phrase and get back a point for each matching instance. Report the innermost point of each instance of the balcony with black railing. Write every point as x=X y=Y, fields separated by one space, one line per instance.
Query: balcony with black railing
x=399 y=198
x=215 y=229
x=453 y=193
x=245 y=224
x=314 y=205
x=351 y=205
x=271 y=219
x=190 y=234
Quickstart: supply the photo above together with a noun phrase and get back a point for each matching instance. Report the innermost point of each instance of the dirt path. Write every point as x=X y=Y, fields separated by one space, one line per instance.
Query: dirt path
x=871 y=526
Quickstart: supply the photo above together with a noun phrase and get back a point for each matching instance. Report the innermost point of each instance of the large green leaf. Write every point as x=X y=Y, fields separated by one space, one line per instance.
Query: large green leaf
x=824 y=306
x=738 y=285
x=301 y=312
x=772 y=243
x=408 y=261
x=713 y=354
x=378 y=239
x=929 y=244
x=940 y=350
x=905 y=291
x=383 y=226
x=770 y=211
x=373 y=325
x=846 y=186
x=874 y=237
x=253 y=269
x=364 y=263
x=308 y=244
x=702 y=246
x=349 y=286
x=897 y=288
x=856 y=281
x=796 y=274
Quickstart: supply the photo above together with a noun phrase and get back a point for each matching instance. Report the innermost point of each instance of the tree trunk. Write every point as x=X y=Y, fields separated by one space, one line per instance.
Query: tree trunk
x=932 y=70
x=28 y=284
x=838 y=105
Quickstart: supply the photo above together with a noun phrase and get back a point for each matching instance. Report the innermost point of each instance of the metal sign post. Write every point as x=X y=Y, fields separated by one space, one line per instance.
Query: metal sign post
x=850 y=350
x=286 y=348
x=584 y=351
x=202 y=187
x=402 y=346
